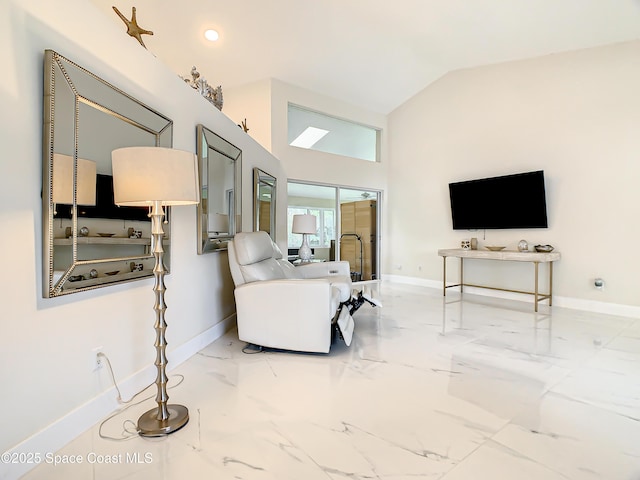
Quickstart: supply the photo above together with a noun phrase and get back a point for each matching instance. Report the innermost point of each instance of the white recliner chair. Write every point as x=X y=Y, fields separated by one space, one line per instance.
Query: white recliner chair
x=286 y=307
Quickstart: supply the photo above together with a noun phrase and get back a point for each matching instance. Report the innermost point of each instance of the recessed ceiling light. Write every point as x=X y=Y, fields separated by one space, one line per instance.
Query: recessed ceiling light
x=211 y=35
x=309 y=137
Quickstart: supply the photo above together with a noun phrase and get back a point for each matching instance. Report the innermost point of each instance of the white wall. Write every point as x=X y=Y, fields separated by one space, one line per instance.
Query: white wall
x=264 y=105
x=252 y=103
x=304 y=164
x=270 y=130
x=45 y=344
x=575 y=116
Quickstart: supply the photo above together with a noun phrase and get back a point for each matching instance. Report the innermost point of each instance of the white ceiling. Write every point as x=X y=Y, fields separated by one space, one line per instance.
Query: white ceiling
x=371 y=53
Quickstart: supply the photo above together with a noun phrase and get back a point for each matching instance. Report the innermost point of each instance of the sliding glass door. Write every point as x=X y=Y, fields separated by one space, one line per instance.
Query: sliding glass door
x=347 y=221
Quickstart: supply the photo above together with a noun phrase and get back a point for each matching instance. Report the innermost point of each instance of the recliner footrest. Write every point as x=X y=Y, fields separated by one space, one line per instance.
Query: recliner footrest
x=359 y=298
x=346 y=325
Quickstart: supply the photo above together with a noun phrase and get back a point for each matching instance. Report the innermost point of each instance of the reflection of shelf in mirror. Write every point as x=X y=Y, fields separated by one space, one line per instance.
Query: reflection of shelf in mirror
x=107 y=241
x=103 y=279
x=216 y=244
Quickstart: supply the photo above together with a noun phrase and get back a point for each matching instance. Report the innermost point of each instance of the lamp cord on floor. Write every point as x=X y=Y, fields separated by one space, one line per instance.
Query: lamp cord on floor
x=127 y=432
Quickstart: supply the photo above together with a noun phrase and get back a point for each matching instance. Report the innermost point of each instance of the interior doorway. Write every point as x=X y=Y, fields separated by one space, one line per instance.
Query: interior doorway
x=347 y=225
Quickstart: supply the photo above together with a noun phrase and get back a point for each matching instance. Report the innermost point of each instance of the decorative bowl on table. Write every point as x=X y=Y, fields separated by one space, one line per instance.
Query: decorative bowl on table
x=106 y=234
x=494 y=248
x=543 y=248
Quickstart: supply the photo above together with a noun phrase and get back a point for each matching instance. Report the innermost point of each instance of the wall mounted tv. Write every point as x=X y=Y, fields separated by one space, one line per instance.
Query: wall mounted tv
x=105 y=206
x=509 y=201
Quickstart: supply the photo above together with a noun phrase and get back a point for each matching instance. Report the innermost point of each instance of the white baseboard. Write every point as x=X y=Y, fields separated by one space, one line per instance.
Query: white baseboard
x=420 y=282
x=598 y=307
x=631 y=311
x=56 y=435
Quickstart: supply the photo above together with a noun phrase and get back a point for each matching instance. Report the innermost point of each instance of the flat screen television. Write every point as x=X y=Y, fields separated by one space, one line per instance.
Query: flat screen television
x=105 y=206
x=505 y=202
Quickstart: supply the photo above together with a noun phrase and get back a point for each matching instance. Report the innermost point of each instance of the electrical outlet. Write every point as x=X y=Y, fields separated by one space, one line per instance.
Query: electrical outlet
x=96 y=359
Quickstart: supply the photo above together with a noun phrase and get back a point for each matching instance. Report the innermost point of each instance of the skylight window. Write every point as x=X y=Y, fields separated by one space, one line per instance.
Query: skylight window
x=309 y=137
x=317 y=131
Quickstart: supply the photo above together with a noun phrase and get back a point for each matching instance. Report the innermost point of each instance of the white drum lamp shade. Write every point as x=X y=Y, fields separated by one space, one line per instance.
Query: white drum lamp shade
x=143 y=175
x=218 y=222
x=304 y=224
x=63 y=181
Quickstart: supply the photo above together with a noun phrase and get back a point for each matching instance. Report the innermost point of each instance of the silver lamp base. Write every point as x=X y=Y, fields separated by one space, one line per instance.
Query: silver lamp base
x=150 y=426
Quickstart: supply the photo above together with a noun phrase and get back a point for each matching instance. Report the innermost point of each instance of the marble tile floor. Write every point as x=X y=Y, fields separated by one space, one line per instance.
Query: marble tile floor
x=430 y=388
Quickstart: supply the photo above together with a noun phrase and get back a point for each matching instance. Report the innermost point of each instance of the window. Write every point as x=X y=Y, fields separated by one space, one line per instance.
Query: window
x=324 y=133
x=325 y=222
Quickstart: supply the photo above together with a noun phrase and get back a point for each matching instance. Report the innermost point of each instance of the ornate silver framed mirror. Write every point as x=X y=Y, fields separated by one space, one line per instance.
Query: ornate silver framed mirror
x=88 y=242
x=220 y=208
x=264 y=207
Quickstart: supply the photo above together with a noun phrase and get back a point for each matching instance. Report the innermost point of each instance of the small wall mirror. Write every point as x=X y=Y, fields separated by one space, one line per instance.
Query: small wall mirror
x=89 y=242
x=264 y=208
x=220 y=208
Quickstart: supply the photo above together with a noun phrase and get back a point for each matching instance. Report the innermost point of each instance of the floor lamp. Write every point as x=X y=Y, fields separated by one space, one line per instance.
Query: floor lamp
x=304 y=224
x=157 y=177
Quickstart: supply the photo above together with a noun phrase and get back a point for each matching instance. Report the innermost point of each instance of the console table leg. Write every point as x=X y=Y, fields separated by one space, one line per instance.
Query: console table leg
x=461 y=275
x=536 y=286
x=444 y=276
x=550 y=283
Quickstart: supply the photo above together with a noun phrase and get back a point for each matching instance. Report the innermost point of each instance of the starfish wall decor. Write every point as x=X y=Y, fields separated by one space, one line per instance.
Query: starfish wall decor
x=133 y=28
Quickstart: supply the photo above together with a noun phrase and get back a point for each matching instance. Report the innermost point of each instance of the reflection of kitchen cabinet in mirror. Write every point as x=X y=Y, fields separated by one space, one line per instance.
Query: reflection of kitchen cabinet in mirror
x=88 y=241
x=219 y=210
x=264 y=207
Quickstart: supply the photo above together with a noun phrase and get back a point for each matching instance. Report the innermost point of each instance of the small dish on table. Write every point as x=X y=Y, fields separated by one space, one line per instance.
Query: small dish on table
x=494 y=248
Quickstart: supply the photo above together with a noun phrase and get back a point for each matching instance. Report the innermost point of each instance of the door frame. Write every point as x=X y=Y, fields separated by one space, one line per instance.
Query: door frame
x=377 y=195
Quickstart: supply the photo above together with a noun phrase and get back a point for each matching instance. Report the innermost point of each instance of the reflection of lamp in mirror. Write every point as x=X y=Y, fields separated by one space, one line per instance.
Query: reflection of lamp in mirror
x=63 y=181
x=304 y=224
x=157 y=177
x=218 y=223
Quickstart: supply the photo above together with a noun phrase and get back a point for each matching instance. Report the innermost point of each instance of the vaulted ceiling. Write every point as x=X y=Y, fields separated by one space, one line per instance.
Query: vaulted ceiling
x=372 y=53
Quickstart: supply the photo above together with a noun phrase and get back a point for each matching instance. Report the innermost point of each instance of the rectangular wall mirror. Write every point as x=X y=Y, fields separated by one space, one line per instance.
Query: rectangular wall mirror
x=89 y=242
x=264 y=207
x=220 y=208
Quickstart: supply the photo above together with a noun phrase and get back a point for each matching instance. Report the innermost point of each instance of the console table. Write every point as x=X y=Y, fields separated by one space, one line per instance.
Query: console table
x=504 y=255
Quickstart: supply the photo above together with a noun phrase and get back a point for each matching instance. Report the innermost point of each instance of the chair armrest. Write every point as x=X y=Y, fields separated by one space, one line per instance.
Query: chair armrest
x=298 y=290
x=324 y=269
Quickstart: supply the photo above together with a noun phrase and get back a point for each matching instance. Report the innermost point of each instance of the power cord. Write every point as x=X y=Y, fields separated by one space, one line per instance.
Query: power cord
x=129 y=428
